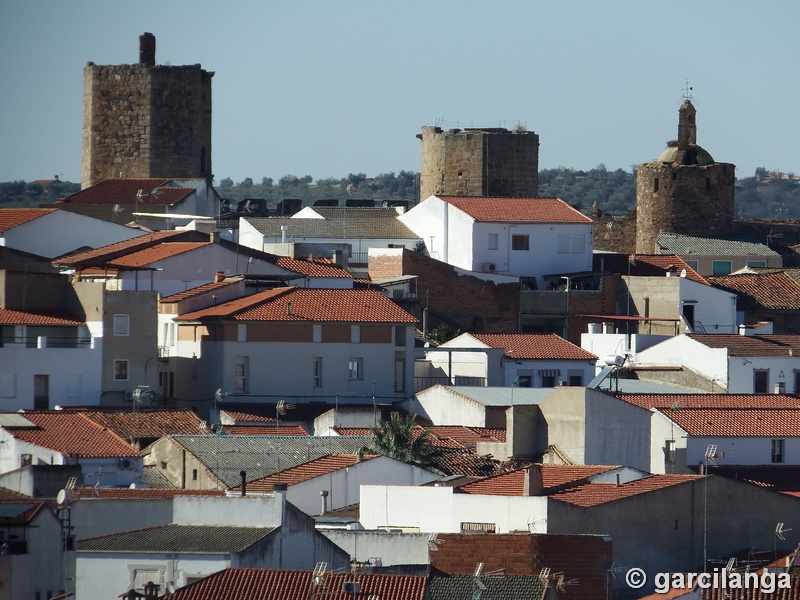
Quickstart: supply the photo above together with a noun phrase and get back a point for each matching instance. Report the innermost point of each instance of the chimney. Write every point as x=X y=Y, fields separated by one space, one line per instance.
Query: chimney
x=324 y=496
x=533 y=484
x=284 y=229
x=360 y=456
x=220 y=276
x=243 y=475
x=618 y=483
x=147 y=49
x=214 y=237
x=289 y=309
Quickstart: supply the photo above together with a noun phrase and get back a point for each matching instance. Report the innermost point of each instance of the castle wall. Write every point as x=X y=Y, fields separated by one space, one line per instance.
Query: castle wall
x=479 y=162
x=146 y=121
x=686 y=199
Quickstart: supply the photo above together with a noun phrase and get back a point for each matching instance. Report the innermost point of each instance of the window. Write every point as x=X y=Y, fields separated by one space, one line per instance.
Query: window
x=778 y=447
x=721 y=267
x=121 y=324
x=317 y=371
x=524 y=381
x=669 y=451
x=241 y=332
x=520 y=242
x=797 y=381
x=575 y=377
x=692 y=263
x=399 y=335
x=761 y=381
x=399 y=372
x=355 y=368
x=194 y=474
x=756 y=263
x=571 y=244
x=317 y=334
x=493 y=241
x=548 y=381
x=355 y=334
x=240 y=373
x=120 y=370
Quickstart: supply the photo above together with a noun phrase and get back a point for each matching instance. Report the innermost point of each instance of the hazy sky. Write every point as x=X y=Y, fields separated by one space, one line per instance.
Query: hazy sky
x=327 y=88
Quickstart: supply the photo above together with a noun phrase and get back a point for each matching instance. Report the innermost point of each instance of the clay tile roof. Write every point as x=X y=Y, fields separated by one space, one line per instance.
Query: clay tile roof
x=517 y=210
x=12 y=217
x=197 y=539
x=553 y=476
x=98 y=257
x=69 y=432
x=468 y=436
x=264 y=430
x=728 y=422
x=593 y=494
x=308 y=305
x=316 y=267
x=751 y=345
x=16 y=317
x=200 y=289
x=90 y=492
x=645 y=265
x=681 y=401
x=123 y=191
x=534 y=346
x=19 y=512
x=239 y=415
x=776 y=290
x=146 y=422
x=310 y=470
x=155 y=253
x=273 y=584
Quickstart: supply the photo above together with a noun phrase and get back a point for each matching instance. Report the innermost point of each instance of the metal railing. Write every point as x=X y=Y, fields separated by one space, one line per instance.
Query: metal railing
x=421 y=383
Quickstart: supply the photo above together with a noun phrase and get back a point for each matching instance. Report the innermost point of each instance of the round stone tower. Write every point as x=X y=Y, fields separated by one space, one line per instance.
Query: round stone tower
x=479 y=162
x=684 y=191
x=146 y=120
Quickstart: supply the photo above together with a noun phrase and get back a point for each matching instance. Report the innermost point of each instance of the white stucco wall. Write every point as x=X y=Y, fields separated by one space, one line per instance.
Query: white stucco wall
x=741 y=450
x=39 y=571
x=61 y=232
x=438 y=509
x=711 y=363
x=443 y=407
x=249 y=511
x=343 y=486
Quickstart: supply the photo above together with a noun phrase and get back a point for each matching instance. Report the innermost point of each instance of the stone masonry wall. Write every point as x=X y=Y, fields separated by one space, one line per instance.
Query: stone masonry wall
x=687 y=199
x=146 y=121
x=479 y=162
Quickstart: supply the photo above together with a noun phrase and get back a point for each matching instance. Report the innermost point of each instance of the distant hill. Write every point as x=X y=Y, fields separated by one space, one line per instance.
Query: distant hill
x=767 y=195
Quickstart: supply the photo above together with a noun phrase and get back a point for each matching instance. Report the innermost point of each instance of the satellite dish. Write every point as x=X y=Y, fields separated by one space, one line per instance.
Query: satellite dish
x=61 y=497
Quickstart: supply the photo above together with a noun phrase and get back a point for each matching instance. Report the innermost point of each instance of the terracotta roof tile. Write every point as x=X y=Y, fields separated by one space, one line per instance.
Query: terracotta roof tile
x=239 y=415
x=681 y=401
x=534 y=346
x=69 y=432
x=645 y=265
x=310 y=470
x=200 y=289
x=517 y=210
x=468 y=436
x=12 y=217
x=19 y=512
x=89 y=492
x=123 y=191
x=316 y=267
x=264 y=430
x=146 y=422
x=272 y=584
x=17 y=317
x=307 y=305
x=739 y=422
x=553 y=476
x=99 y=257
x=205 y=539
x=773 y=290
x=155 y=253
x=593 y=494
x=751 y=345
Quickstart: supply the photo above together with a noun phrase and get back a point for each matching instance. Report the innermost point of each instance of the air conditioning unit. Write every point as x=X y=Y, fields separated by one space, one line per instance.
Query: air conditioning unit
x=350 y=587
x=126 y=464
x=489 y=267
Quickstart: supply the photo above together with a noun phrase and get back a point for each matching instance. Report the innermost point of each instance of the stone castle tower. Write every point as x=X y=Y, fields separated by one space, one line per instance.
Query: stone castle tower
x=685 y=191
x=146 y=120
x=479 y=162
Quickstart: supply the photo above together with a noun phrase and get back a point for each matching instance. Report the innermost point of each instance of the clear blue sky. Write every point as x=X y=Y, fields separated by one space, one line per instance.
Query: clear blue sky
x=326 y=88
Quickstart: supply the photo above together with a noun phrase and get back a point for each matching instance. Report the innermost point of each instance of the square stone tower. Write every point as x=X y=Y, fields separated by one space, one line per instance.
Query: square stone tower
x=146 y=120
x=479 y=162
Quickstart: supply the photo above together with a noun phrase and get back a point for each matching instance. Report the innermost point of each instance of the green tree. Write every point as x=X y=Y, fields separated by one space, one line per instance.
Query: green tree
x=444 y=332
x=401 y=439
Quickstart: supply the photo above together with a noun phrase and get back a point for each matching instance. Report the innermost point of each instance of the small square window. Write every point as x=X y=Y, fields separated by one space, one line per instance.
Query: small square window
x=355 y=367
x=493 y=241
x=520 y=242
x=120 y=370
x=121 y=325
x=721 y=267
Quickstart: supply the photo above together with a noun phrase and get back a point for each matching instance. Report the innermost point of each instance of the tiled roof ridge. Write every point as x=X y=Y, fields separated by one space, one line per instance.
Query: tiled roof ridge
x=247 y=303
x=23 y=214
x=161 y=250
x=632 y=488
x=110 y=252
x=104 y=429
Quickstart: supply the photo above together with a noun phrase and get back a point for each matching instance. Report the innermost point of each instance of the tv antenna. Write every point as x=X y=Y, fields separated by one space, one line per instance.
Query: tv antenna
x=281 y=408
x=687 y=91
x=779 y=531
x=535 y=524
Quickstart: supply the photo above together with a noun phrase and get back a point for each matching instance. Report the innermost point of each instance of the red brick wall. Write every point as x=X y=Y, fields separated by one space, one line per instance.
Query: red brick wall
x=584 y=560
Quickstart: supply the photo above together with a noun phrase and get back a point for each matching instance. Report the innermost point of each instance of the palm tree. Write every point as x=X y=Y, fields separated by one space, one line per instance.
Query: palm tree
x=401 y=439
